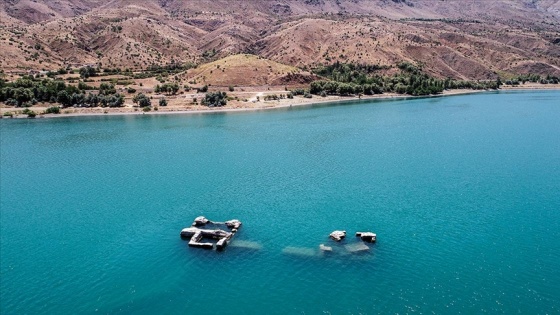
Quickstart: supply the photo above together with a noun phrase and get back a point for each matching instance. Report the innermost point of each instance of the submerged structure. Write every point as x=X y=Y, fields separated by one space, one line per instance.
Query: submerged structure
x=367 y=236
x=204 y=233
x=337 y=248
x=198 y=234
x=338 y=235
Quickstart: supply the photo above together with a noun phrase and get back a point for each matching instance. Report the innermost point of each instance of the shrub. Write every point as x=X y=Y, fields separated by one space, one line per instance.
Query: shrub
x=163 y=102
x=107 y=89
x=53 y=110
x=298 y=92
x=231 y=88
x=85 y=87
x=272 y=97
x=29 y=113
x=169 y=88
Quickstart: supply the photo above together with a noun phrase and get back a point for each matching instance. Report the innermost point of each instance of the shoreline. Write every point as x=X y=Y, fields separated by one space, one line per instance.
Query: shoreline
x=264 y=105
x=270 y=105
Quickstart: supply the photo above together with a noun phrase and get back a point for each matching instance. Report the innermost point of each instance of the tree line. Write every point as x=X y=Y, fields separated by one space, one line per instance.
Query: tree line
x=28 y=91
x=355 y=79
x=534 y=78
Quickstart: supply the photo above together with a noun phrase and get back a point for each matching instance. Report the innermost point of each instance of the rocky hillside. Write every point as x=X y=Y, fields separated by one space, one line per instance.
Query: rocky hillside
x=475 y=39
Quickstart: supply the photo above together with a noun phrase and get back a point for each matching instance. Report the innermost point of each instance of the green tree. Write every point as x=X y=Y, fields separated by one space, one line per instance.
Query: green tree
x=86 y=72
x=107 y=89
x=63 y=98
x=212 y=99
x=23 y=96
x=142 y=100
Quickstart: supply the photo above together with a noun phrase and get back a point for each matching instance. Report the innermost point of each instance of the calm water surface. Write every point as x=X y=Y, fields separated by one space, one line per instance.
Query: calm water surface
x=463 y=192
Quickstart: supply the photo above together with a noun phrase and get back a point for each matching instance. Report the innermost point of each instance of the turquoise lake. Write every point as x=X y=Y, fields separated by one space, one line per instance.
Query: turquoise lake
x=463 y=193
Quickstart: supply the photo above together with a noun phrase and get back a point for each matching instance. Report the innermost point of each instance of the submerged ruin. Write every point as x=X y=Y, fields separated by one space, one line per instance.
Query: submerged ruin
x=207 y=234
x=367 y=236
x=338 y=246
x=198 y=234
x=338 y=235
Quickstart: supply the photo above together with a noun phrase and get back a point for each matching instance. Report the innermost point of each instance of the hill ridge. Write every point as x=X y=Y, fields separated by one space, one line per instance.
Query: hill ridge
x=466 y=40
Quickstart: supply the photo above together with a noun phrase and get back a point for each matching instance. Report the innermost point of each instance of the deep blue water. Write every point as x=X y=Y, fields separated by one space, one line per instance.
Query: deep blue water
x=463 y=193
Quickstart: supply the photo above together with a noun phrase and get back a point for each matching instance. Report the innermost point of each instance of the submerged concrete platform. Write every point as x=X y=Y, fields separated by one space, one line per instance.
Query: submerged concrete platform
x=300 y=251
x=356 y=248
x=246 y=245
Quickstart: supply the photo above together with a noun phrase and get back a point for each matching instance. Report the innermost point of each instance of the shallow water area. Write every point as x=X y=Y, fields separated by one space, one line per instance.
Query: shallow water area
x=462 y=192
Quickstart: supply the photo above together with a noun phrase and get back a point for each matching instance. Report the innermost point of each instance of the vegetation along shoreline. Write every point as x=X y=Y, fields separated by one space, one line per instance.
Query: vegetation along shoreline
x=177 y=88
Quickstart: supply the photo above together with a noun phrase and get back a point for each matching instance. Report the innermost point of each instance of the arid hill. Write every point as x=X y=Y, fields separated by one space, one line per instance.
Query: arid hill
x=246 y=70
x=475 y=39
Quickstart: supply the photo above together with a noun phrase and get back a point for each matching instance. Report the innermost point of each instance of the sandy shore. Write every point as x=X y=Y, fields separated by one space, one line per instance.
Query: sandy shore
x=237 y=106
x=531 y=86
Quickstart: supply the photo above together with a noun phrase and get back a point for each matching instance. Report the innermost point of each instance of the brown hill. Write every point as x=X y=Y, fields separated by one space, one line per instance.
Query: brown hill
x=474 y=39
x=246 y=70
